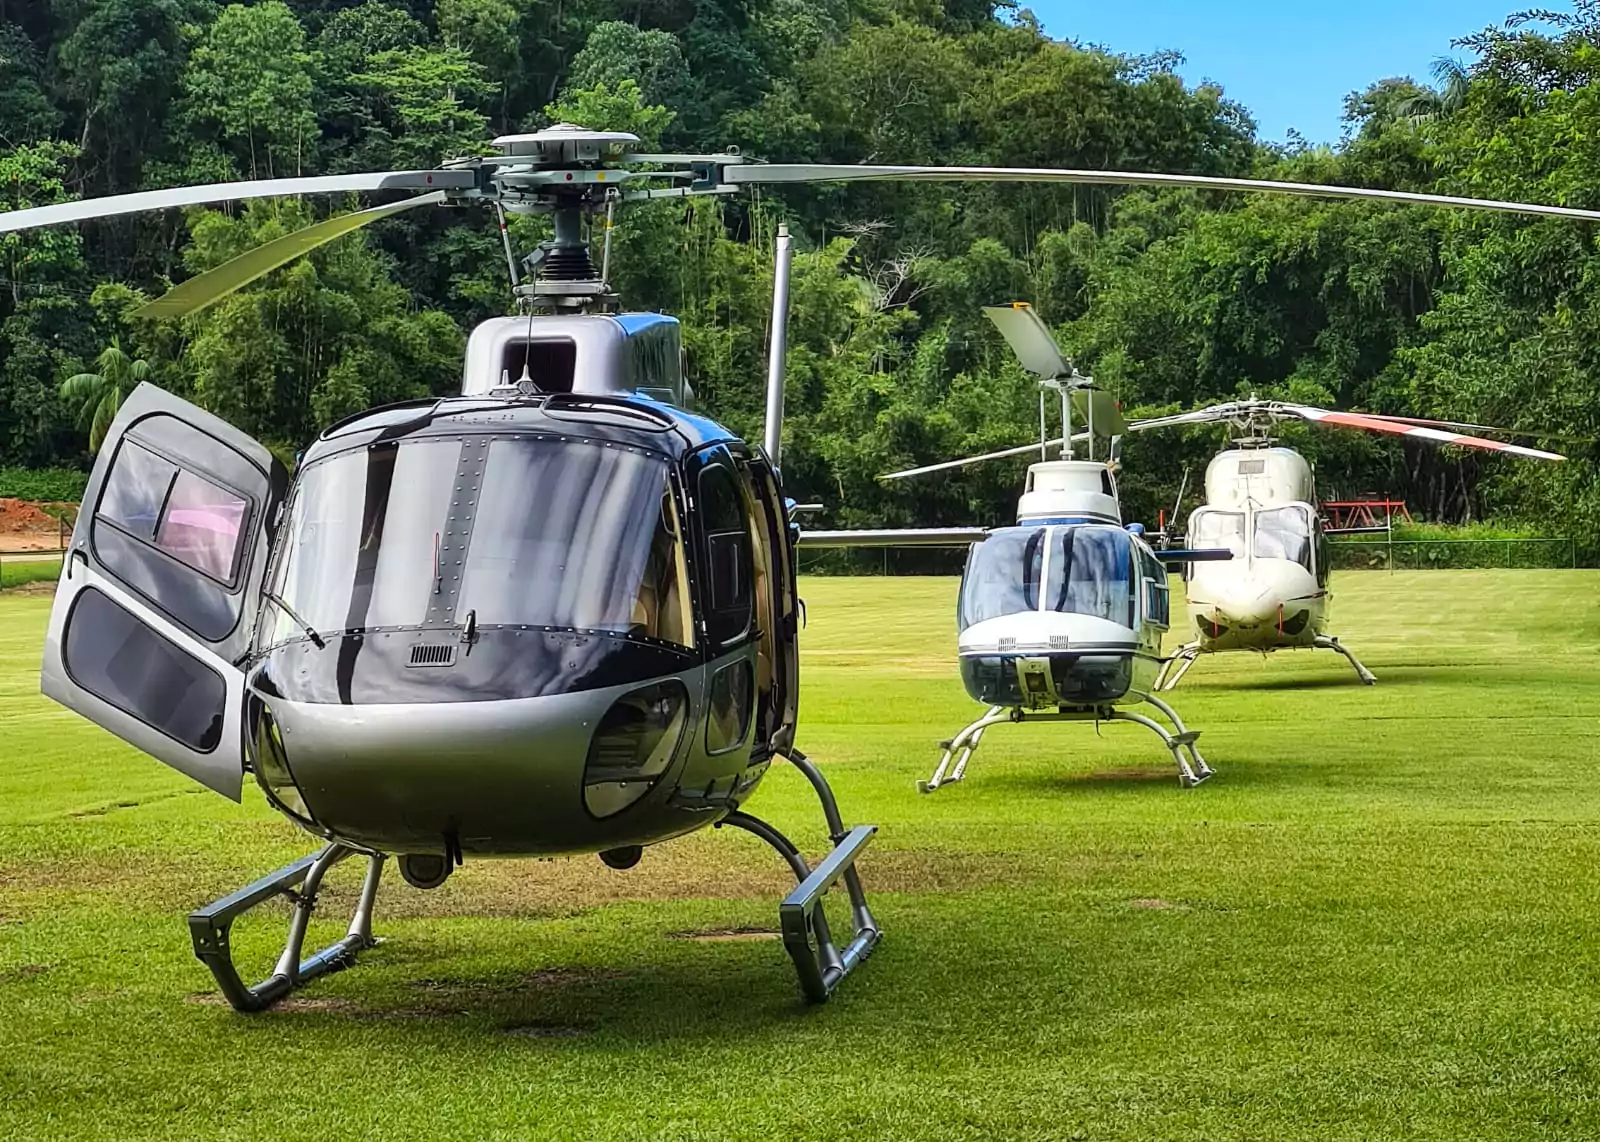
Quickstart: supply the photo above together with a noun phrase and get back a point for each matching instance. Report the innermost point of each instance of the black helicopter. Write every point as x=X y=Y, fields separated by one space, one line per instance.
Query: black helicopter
x=555 y=614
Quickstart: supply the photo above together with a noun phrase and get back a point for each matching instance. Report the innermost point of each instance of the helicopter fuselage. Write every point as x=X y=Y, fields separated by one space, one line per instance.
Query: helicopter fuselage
x=1056 y=615
x=1273 y=594
x=501 y=625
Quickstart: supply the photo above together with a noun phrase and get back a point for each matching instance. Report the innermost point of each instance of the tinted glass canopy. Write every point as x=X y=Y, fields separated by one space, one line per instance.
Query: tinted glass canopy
x=522 y=530
x=1083 y=569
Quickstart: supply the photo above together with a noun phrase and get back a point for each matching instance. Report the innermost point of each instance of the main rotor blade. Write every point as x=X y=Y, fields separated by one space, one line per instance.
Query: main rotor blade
x=1476 y=428
x=1020 y=450
x=1415 y=431
x=217 y=283
x=85 y=209
x=817 y=172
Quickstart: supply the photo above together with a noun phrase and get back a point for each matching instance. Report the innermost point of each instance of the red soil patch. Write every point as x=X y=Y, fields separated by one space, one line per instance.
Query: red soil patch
x=20 y=515
x=26 y=526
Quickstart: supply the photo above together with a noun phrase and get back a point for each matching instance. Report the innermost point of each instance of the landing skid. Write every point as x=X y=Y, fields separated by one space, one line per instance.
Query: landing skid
x=818 y=961
x=1183 y=658
x=1324 y=642
x=300 y=882
x=1192 y=768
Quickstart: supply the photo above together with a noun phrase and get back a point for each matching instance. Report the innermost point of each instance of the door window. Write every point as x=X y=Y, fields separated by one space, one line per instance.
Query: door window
x=729 y=572
x=194 y=520
x=120 y=660
x=1157 y=592
x=729 y=717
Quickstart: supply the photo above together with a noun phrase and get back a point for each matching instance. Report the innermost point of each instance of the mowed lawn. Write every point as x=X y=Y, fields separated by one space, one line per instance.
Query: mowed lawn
x=1381 y=919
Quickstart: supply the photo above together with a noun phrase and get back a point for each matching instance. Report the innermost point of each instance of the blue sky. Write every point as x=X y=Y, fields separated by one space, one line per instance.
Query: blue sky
x=1291 y=62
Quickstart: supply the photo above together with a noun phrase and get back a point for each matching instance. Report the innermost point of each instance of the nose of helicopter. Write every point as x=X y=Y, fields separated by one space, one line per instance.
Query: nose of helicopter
x=522 y=776
x=1271 y=597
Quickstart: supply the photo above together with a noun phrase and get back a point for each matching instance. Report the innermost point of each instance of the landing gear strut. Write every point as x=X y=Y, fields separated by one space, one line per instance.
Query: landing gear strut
x=1192 y=768
x=1182 y=659
x=209 y=926
x=818 y=961
x=1325 y=642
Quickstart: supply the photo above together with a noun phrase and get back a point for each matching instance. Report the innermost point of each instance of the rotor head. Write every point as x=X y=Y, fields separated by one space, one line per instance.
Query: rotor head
x=567 y=145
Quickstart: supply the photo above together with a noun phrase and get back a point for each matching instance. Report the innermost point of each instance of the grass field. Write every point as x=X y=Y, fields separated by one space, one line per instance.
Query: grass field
x=18 y=571
x=1379 y=920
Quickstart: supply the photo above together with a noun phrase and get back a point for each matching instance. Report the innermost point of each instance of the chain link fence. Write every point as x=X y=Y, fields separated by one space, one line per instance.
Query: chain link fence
x=1379 y=553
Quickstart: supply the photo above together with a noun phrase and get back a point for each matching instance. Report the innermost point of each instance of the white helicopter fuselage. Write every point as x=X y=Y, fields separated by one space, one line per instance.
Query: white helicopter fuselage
x=1273 y=594
x=1067 y=608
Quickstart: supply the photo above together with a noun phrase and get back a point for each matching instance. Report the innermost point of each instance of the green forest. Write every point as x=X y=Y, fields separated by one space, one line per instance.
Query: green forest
x=1168 y=298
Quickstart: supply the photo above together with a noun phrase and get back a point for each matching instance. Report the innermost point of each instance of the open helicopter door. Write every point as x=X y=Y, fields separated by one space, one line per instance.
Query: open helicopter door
x=779 y=611
x=159 y=591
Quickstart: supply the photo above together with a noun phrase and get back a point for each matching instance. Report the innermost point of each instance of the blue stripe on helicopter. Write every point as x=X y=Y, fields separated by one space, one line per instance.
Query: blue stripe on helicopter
x=1065 y=520
x=1194 y=554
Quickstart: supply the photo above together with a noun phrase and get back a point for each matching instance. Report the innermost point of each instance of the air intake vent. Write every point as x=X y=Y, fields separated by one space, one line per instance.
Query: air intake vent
x=433 y=654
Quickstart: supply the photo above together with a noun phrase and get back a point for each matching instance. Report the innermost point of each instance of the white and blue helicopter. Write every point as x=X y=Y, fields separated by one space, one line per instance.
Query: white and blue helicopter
x=1061 y=616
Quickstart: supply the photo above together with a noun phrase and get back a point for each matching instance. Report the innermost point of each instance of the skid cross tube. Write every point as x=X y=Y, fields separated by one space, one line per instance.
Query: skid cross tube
x=817 y=959
x=1180 y=741
x=300 y=881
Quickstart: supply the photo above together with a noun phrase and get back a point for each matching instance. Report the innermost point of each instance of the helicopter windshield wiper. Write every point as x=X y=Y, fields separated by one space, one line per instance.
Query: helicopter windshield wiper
x=310 y=631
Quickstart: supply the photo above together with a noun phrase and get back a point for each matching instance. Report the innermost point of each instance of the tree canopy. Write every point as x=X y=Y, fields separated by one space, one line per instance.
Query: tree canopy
x=1169 y=298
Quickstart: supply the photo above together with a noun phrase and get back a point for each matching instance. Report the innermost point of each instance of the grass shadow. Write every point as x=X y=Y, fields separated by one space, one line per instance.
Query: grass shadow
x=1388 y=676
x=723 y=988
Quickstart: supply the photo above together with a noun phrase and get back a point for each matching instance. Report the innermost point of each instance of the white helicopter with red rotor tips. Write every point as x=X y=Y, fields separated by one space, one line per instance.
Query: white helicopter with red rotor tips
x=1261 y=503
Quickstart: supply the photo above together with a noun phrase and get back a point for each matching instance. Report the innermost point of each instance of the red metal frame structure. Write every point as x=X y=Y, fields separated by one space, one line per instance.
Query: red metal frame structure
x=1365 y=513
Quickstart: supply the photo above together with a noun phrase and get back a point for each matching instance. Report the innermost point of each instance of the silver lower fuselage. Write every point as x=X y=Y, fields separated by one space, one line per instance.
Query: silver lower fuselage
x=501 y=776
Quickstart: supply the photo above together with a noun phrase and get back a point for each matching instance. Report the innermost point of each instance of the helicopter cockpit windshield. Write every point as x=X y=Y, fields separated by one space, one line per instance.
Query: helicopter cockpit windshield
x=1084 y=569
x=1283 y=533
x=1209 y=527
x=516 y=531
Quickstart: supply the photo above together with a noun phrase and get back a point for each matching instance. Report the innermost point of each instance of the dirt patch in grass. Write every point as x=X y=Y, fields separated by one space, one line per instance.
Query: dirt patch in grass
x=720 y=866
x=1153 y=903
x=22 y=972
x=291 y=1004
x=725 y=935
x=542 y=1030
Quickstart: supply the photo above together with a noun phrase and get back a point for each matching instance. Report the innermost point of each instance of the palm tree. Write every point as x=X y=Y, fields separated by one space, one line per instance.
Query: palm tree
x=1446 y=99
x=100 y=394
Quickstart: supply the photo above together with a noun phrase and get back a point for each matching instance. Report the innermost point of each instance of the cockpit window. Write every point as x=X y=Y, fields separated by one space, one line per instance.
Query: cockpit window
x=1283 y=533
x=1089 y=572
x=1209 y=528
x=570 y=534
x=540 y=532
x=357 y=548
x=1002 y=575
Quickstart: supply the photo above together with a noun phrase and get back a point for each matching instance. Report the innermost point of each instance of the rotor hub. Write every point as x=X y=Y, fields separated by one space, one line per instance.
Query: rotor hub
x=566 y=145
